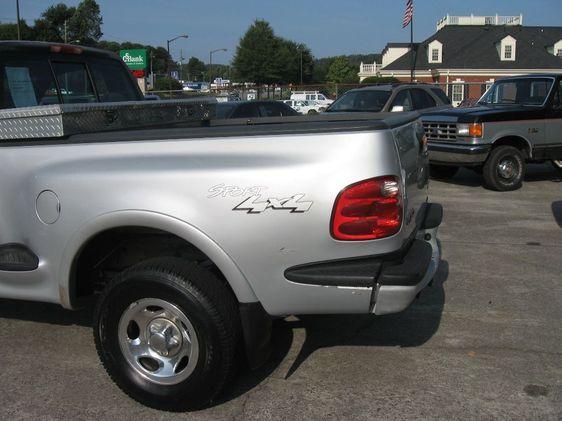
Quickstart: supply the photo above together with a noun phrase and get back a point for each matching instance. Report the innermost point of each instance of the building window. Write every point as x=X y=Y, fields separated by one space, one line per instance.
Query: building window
x=435 y=54
x=457 y=93
x=559 y=52
x=507 y=52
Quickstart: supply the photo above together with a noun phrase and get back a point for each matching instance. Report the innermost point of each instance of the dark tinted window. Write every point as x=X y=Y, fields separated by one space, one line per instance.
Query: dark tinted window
x=403 y=99
x=276 y=109
x=74 y=82
x=224 y=109
x=422 y=99
x=441 y=95
x=363 y=100
x=112 y=81
x=248 y=110
x=26 y=83
x=557 y=100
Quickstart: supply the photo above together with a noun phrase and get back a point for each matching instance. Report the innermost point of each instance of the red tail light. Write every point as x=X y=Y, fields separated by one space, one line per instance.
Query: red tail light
x=368 y=210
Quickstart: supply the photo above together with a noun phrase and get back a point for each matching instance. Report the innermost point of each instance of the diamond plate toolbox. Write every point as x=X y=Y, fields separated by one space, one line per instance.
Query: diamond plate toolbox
x=61 y=120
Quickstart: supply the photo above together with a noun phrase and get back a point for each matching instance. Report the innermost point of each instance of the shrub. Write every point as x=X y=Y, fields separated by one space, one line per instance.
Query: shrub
x=380 y=79
x=167 y=84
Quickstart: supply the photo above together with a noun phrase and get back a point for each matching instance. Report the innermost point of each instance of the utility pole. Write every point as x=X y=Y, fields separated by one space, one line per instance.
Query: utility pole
x=301 y=65
x=65 y=32
x=18 y=17
x=181 y=63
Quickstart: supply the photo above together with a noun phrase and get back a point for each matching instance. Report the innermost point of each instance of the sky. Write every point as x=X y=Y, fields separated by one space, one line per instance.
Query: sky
x=328 y=27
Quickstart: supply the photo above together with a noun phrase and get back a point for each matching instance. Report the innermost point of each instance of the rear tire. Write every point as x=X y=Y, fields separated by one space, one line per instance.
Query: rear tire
x=504 y=169
x=442 y=172
x=166 y=331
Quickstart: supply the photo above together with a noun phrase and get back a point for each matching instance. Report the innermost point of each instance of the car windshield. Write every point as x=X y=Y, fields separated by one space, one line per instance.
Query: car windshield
x=371 y=100
x=525 y=91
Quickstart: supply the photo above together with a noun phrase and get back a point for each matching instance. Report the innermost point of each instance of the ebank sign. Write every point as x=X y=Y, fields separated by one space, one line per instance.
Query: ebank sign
x=134 y=59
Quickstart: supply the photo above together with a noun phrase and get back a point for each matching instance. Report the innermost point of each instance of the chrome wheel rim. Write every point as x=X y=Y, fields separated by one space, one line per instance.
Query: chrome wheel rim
x=508 y=168
x=158 y=341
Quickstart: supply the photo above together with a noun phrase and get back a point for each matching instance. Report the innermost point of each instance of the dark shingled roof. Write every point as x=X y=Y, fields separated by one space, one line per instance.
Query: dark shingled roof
x=476 y=47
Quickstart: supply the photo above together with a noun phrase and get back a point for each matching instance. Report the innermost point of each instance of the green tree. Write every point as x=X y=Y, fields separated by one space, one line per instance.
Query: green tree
x=85 y=23
x=263 y=57
x=51 y=26
x=255 y=58
x=194 y=70
x=9 y=31
x=341 y=71
x=289 y=62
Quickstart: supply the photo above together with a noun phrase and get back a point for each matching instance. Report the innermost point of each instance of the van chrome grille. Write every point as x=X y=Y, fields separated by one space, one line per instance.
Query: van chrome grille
x=445 y=132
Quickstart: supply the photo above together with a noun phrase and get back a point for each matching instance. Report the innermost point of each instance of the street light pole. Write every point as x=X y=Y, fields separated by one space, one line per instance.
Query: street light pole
x=18 y=17
x=211 y=63
x=168 y=42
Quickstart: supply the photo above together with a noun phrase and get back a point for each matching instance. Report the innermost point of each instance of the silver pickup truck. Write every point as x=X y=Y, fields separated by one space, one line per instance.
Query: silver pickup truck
x=191 y=239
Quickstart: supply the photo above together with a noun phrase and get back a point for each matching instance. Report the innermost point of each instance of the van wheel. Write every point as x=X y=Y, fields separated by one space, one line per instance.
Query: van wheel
x=557 y=163
x=504 y=169
x=312 y=112
x=442 y=172
x=166 y=332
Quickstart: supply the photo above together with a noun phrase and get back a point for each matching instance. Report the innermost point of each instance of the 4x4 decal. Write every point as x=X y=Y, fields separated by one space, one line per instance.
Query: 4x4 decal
x=292 y=204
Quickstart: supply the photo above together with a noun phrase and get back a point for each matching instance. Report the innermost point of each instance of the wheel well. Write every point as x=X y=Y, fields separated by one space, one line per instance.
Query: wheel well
x=111 y=251
x=515 y=141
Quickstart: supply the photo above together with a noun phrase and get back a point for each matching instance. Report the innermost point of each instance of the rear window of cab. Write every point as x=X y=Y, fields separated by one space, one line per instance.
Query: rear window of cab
x=30 y=82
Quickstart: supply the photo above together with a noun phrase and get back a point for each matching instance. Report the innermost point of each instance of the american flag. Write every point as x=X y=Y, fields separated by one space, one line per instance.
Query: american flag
x=408 y=14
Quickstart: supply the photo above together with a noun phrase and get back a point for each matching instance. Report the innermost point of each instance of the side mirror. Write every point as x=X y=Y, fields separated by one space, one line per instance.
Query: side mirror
x=397 y=109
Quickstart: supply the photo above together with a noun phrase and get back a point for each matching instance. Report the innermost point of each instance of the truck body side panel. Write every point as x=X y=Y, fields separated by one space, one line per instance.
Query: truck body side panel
x=265 y=202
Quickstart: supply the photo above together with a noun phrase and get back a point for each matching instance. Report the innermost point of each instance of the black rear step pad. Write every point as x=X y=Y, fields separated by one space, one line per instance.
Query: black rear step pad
x=433 y=216
x=17 y=258
x=412 y=268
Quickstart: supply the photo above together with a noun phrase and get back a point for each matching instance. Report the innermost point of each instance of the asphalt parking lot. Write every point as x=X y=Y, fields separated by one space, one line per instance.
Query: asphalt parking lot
x=484 y=342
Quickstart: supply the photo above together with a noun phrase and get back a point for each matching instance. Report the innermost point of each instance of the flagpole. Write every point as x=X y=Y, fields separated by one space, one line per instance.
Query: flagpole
x=413 y=59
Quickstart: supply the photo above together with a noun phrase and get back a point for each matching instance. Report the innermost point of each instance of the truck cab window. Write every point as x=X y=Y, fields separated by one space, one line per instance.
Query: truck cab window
x=74 y=82
x=26 y=83
x=112 y=84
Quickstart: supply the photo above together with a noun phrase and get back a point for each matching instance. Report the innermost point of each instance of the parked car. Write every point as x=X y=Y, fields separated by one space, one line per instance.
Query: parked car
x=305 y=107
x=316 y=96
x=249 y=109
x=395 y=98
x=518 y=120
x=191 y=241
x=152 y=97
